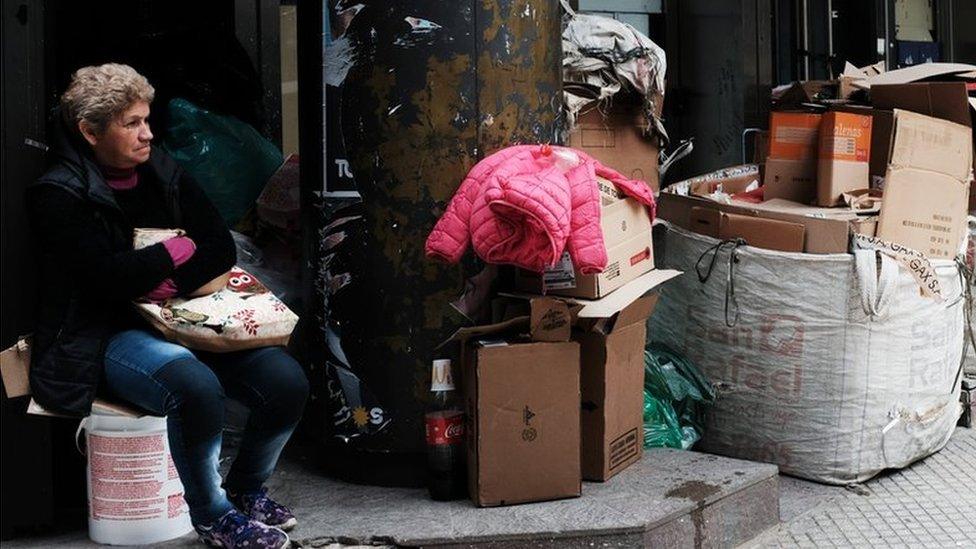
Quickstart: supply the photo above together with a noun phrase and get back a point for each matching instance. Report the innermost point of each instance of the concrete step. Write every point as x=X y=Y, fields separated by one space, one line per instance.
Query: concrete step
x=669 y=499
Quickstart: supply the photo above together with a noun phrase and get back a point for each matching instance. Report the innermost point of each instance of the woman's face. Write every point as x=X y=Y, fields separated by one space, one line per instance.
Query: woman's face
x=125 y=141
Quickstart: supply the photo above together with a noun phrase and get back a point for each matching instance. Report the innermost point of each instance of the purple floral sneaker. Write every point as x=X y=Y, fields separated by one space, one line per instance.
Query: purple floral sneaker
x=261 y=508
x=235 y=530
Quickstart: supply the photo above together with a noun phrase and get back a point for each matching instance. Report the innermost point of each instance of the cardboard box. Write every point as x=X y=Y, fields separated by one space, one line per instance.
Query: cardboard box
x=770 y=234
x=927 y=185
x=626 y=227
x=522 y=405
x=611 y=333
x=794 y=180
x=827 y=230
x=617 y=140
x=625 y=262
x=793 y=135
x=791 y=169
x=612 y=391
x=881 y=124
x=704 y=220
x=843 y=157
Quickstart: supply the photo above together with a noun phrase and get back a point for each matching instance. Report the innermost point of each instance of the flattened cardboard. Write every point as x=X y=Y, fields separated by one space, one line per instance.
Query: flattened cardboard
x=927 y=185
x=770 y=234
x=827 y=229
x=99 y=406
x=924 y=211
x=844 y=156
x=852 y=74
x=945 y=100
x=915 y=73
x=626 y=295
x=523 y=403
x=611 y=386
x=931 y=144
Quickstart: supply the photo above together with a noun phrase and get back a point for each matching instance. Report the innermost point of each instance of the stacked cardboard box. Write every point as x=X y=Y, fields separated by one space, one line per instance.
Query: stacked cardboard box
x=616 y=135
x=626 y=226
x=913 y=140
x=554 y=392
x=791 y=168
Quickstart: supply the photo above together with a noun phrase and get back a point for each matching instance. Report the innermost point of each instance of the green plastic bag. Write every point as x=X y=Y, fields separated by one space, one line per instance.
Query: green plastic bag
x=229 y=159
x=675 y=397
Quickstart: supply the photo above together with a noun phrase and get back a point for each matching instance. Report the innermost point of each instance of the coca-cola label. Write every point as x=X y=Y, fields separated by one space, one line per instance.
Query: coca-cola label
x=445 y=428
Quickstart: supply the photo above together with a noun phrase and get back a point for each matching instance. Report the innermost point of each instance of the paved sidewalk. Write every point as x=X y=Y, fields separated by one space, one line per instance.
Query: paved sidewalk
x=931 y=504
x=671 y=499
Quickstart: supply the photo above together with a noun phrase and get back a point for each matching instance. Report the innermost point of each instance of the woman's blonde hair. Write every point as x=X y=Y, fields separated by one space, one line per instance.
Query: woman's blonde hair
x=98 y=94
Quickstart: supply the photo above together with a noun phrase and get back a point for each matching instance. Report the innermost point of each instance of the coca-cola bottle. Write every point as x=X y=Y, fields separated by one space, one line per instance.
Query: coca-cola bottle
x=446 y=479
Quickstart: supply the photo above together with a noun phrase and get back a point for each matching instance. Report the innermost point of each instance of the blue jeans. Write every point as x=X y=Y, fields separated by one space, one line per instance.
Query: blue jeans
x=189 y=388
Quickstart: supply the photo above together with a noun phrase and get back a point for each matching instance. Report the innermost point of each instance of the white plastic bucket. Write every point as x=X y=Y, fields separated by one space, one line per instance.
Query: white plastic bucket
x=134 y=493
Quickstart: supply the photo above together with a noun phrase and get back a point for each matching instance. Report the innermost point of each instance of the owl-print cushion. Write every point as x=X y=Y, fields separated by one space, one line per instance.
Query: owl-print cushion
x=242 y=315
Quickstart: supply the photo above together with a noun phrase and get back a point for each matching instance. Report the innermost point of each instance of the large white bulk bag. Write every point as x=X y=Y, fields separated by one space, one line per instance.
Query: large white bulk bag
x=837 y=367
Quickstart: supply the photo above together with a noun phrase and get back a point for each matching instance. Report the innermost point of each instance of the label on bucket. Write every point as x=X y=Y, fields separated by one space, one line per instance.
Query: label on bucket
x=131 y=477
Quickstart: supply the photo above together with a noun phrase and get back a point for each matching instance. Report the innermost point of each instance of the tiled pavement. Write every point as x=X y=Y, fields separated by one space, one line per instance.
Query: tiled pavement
x=931 y=504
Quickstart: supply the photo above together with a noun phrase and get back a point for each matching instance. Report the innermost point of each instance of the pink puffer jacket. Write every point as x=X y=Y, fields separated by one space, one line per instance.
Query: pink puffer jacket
x=524 y=204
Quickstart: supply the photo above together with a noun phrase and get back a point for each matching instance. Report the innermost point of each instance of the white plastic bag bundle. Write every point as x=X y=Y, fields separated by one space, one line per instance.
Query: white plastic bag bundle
x=835 y=367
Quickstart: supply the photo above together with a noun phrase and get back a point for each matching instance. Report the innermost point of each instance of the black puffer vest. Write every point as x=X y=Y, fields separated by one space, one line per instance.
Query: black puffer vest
x=72 y=328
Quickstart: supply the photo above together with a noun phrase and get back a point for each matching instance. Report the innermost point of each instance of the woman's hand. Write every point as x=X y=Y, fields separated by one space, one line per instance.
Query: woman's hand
x=214 y=285
x=180 y=248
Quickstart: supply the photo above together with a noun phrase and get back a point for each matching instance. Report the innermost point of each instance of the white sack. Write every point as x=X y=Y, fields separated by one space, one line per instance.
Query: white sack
x=836 y=369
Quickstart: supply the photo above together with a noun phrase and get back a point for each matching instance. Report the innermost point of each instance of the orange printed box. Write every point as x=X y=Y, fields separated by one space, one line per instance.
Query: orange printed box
x=793 y=135
x=845 y=136
x=844 y=156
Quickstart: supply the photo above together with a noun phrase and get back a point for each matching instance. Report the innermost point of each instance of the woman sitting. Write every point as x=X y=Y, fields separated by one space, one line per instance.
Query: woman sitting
x=107 y=180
